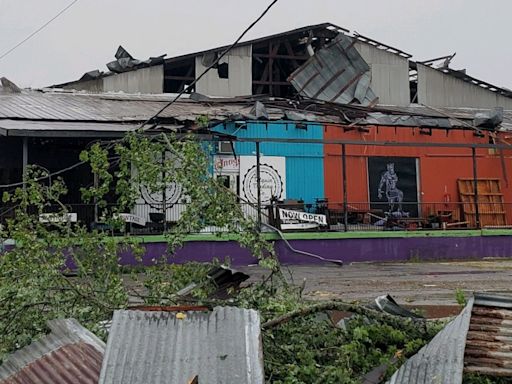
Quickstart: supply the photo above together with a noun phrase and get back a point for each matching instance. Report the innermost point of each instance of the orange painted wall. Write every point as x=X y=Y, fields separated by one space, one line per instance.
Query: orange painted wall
x=438 y=167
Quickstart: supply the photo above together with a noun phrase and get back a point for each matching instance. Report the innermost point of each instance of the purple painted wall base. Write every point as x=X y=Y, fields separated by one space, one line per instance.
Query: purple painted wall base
x=346 y=250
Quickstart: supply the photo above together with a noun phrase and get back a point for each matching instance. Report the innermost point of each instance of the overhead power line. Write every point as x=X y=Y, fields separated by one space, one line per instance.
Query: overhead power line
x=38 y=29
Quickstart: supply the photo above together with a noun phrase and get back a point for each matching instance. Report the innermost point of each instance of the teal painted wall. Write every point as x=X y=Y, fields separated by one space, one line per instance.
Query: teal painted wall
x=304 y=162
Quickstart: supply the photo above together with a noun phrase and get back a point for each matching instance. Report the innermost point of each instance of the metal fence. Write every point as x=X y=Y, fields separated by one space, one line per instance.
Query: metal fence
x=339 y=216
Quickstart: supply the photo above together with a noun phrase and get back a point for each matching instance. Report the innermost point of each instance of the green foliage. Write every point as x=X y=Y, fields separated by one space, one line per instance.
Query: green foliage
x=34 y=287
x=460 y=297
x=33 y=284
x=311 y=350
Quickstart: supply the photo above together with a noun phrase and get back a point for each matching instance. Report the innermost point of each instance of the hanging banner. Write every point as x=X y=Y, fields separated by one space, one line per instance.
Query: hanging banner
x=287 y=215
x=272 y=178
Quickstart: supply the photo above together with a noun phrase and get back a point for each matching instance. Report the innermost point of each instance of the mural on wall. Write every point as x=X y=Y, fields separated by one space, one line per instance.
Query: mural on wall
x=272 y=178
x=393 y=185
x=154 y=201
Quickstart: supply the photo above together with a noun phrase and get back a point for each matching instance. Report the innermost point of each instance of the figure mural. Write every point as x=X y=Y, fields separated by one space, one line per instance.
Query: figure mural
x=394 y=196
x=393 y=186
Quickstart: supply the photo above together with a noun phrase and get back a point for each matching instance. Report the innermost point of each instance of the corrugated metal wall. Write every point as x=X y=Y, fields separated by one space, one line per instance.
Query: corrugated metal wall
x=441 y=90
x=239 y=81
x=390 y=74
x=304 y=162
x=144 y=80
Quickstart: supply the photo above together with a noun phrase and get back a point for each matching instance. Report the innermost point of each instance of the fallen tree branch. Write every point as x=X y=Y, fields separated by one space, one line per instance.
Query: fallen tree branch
x=395 y=321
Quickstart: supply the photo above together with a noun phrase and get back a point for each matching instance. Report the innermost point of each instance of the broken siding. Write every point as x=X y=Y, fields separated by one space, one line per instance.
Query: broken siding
x=143 y=80
x=438 y=89
x=239 y=81
x=389 y=74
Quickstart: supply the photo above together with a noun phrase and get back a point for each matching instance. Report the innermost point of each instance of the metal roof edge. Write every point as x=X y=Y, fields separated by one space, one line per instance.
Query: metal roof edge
x=63 y=332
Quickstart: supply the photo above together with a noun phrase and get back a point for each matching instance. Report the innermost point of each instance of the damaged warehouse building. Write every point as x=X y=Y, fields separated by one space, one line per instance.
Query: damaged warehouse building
x=343 y=127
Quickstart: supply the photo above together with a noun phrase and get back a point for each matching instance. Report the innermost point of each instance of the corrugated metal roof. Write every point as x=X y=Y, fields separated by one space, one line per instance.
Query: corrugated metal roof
x=489 y=340
x=442 y=360
x=337 y=74
x=52 y=128
x=221 y=347
x=119 y=108
x=69 y=354
x=111 y=112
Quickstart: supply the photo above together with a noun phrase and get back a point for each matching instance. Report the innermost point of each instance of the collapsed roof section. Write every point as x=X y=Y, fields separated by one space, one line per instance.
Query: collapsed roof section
x=65 y=114
x=336 y=74
x=125 y=62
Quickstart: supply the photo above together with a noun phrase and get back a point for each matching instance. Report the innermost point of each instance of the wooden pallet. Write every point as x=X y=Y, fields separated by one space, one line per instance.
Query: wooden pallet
x=491 y=205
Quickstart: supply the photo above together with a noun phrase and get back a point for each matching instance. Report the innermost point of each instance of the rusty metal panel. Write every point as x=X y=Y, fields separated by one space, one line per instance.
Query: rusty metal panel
x=337 y=74
x=222 y=346
x=69 y=354
x=489 y=340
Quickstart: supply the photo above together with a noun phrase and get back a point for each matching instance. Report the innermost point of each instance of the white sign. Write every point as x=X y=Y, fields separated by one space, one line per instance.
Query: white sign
x=226 y=164
x=301 y=226
x=58 y=218
x=130 y=218
x=272 y=178
x=287 y=215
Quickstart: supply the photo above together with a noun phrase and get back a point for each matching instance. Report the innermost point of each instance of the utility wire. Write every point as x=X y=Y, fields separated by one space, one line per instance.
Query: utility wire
x=212 y=65
x=38 y=30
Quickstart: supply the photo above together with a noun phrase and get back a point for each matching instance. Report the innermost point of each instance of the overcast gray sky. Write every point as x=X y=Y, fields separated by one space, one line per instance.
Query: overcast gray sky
x=87 y=35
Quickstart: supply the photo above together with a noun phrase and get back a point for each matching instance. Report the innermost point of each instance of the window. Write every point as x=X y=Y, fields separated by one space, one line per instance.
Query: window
x=223 y=70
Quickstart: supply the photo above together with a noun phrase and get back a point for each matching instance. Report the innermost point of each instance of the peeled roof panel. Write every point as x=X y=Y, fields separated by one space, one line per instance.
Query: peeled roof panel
x=336 y=73
x=220 y=347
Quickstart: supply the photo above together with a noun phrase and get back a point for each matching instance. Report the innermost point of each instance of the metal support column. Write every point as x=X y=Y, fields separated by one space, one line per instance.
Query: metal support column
x=96 y=213
x=25 y=159
x=164 y=192
x=258 y=181
x=475 y=187
x=345 y=201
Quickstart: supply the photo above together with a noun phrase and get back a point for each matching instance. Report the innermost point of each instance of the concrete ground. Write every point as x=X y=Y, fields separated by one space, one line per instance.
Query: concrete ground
x=411 y=284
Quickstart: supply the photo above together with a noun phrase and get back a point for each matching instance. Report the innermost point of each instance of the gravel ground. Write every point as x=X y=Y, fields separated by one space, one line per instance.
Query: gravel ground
x=409 y=283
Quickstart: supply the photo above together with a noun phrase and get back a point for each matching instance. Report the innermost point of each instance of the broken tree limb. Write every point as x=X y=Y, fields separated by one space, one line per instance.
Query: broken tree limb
x=395 y=321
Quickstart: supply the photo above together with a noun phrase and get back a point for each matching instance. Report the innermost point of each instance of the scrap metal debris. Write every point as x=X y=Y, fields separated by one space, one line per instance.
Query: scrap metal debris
x=476 y=341
x=125 y=62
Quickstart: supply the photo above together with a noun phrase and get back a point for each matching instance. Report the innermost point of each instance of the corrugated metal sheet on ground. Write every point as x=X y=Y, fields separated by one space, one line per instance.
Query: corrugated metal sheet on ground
x=69 y=354
x=442 y=360
x=489 y=340
x=220 y=347
x=337 y=74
